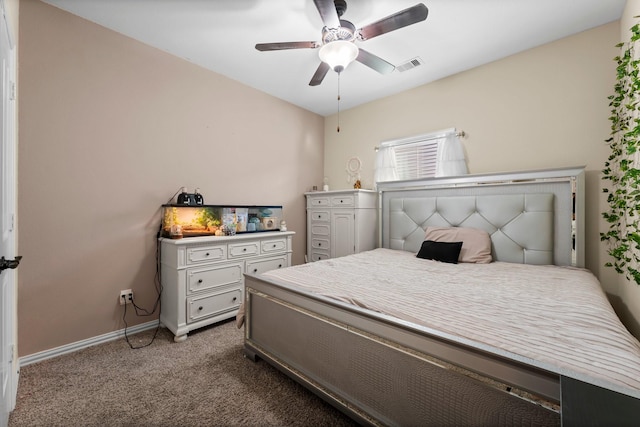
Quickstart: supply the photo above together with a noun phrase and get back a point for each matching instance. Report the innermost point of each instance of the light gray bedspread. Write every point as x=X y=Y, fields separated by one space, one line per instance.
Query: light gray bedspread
x=557 y=317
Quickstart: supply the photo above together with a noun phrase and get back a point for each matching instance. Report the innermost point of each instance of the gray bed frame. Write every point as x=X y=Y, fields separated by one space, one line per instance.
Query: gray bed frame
x=383 y=371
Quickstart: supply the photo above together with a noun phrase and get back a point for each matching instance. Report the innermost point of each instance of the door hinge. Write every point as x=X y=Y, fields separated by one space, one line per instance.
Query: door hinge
x=12 y=94
x=11 y=350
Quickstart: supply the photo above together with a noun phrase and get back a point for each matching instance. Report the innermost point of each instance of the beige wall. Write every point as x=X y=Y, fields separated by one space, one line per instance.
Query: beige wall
x=543 y=108
x=109 y=130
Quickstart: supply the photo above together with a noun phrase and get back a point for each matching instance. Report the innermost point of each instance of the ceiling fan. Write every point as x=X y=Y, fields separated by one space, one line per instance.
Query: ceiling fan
x=338 y=48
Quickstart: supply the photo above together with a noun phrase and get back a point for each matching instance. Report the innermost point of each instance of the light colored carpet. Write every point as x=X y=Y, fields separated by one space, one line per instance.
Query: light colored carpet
x=204 y=381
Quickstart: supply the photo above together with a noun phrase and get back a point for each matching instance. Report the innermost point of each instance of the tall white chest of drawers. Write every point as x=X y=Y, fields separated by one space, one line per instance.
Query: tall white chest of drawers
x=203 y=277
x=340 y=223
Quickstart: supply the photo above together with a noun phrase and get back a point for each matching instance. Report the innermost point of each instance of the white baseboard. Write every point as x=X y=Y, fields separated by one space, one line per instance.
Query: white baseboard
x=79 y=345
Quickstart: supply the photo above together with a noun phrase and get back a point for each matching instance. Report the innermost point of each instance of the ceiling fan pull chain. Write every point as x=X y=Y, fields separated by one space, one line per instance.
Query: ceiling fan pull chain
x=338 y=103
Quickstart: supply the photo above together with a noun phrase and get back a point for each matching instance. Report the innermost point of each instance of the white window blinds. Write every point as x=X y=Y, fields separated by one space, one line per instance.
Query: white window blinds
x=416 y=160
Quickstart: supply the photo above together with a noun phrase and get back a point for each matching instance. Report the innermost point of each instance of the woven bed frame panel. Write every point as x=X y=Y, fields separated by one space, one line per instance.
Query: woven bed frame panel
x=395 y=387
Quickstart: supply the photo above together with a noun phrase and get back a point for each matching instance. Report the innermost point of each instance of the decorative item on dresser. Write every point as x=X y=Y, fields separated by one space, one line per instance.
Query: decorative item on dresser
x=203 y=277
x=341 y=222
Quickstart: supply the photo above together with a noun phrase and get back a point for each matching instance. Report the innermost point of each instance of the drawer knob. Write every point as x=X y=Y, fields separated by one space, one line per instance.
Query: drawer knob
x=319 y=244
x=207 y=254
x=244 y=249
x=274 y=245
x=200 y=281
x=279 y=265
x=234 y=299
x=255 y=270
x=200 y=308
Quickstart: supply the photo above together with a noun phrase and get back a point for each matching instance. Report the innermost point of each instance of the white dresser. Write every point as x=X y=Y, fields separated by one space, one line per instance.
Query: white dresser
x=340 y=223
x=203 y=277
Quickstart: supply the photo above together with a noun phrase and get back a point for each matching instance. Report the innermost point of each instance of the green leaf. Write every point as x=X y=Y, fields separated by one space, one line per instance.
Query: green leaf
x=620 y=169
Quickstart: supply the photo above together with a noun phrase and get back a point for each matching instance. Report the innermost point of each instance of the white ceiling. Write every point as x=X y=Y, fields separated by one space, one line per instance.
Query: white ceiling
x=220 y=35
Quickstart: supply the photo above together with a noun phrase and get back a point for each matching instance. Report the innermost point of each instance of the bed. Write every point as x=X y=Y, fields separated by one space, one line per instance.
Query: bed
x=393 y=339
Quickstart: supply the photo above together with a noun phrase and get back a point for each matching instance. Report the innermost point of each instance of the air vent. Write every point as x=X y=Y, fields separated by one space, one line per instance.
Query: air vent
x=415 y=62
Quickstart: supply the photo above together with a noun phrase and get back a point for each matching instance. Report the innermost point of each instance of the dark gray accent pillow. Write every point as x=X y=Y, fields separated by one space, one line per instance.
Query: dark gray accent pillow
x=440 y=251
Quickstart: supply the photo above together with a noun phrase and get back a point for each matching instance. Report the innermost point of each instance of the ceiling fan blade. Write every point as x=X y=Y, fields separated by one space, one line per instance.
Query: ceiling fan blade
x=374 y=62
x=328 y=13
x=286 y=45
x=401 y=19
x=317 y=78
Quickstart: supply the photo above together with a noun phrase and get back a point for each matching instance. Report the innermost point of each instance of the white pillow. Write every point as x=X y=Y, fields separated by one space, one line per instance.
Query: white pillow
x=476 y=243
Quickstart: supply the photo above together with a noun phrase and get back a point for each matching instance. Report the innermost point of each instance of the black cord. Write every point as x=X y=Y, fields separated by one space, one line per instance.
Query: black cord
x=175 y=194
x=126 y=336
x=140 y=311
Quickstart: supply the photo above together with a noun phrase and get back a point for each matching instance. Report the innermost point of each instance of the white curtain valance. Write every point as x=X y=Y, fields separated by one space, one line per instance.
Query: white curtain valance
x=451 y=160
x=385 y=169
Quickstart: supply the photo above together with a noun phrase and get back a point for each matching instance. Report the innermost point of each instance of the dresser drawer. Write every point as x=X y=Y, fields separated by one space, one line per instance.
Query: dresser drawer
x=322 y=216
x=212 y=304
x=317 y=243
x=318 y=201
x=244 y=249
x=198 y=255
x=318 y=256
x=337 y=201
x=213 y=276
x=275 y=245
x=263 y=265
x=320 y=230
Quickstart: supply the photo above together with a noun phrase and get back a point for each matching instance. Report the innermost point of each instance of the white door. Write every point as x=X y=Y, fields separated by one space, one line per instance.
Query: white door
x=8 y=364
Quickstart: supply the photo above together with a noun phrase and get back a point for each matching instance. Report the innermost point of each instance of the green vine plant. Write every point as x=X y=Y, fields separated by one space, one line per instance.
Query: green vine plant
x=622 y=168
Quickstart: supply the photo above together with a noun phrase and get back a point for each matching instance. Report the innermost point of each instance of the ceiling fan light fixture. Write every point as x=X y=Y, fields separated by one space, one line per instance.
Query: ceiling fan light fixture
x=338 y=54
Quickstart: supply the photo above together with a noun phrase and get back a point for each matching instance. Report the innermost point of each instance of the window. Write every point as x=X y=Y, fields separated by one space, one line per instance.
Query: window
x=435 y=154
x=417 y=160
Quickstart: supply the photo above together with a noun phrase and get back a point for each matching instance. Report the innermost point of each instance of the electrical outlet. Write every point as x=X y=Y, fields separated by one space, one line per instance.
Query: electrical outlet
x=126 y=296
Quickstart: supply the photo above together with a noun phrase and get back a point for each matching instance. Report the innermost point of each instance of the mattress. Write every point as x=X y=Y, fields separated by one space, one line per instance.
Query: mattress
x=557 y=318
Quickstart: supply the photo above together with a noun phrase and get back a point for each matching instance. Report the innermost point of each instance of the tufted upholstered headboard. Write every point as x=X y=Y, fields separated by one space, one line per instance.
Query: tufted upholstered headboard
x=520 y=225
x=529 y=216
